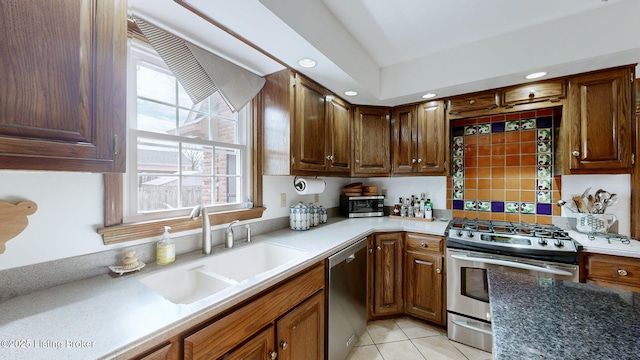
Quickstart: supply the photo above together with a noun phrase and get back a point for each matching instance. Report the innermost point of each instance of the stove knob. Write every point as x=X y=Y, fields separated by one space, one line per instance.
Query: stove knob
x=542 y=242
x=459 y=233
x=470 y=234
x=558 y=243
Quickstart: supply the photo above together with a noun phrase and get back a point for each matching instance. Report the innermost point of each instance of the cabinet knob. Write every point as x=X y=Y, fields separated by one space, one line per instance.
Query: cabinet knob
x=273 y=355
x=424 y=245
x=413 y=161
x=575 y=153
x=471 y=102
x=378 y=248
x=622 y=272
x=419 y=161
x=532 y=93
x=438 y=271
x=357 y=161
x=370 y=251
x=284 y=345
x=330 y=157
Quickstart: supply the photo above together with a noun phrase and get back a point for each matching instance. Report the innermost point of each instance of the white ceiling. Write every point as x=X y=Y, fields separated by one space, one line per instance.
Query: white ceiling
x=392 y=52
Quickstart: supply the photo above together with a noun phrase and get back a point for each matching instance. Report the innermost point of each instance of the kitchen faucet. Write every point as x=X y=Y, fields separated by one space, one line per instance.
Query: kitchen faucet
x=200 y=210
x=228 y=234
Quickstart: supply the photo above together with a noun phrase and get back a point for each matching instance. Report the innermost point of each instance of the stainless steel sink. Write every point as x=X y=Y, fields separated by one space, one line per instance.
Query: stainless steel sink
x=221 y=272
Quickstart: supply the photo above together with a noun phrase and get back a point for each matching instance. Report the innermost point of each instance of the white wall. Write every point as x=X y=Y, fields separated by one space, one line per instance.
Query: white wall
x=618 y=184
x=70 y=207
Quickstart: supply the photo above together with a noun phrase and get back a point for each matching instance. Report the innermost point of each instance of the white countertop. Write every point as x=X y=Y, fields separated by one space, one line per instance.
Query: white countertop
x=118 y=317
x=602 y=245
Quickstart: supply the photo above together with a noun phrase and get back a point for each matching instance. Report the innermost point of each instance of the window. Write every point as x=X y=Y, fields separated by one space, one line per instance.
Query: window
x=180 y=154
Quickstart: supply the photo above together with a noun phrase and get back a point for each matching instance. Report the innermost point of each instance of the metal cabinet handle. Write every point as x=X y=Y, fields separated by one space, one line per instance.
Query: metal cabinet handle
x=284 y=345
x=378 y=248
x=575 y=153
x=273 y=355
x=622 y=272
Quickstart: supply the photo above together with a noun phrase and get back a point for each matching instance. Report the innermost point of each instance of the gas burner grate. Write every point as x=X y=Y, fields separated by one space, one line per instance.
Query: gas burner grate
x=511 y=228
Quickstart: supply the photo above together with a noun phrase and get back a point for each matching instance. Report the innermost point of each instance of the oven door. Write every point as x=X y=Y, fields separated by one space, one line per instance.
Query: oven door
x=469 y=315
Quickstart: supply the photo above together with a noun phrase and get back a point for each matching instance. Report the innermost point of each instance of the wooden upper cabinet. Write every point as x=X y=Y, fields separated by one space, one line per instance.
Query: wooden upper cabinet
x=63 y=88
x=309 y=126
x=598 y=121
x=419 y=139
x=372 y=139
x=473 y=102
x=404 y=139
x=552 y=91
x=338 y=146
x=432 y=132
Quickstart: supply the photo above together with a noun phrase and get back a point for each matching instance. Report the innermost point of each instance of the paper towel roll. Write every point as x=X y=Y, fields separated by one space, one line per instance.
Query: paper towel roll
x=308 y=186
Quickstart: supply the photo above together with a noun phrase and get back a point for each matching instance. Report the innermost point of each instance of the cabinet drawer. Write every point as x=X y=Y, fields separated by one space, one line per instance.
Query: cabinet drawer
x=424 y=243
x=529 y=93
x=613 y=269
x=483 y=101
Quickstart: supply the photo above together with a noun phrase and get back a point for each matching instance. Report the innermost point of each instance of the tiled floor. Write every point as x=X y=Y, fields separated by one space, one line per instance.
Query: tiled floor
x=409 y=339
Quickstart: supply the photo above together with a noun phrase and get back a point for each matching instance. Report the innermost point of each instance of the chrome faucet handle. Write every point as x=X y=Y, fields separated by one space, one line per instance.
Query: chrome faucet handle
x=228 y=234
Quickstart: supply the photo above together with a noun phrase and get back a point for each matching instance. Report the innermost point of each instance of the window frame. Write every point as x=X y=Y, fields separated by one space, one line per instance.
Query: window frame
x=115 y=230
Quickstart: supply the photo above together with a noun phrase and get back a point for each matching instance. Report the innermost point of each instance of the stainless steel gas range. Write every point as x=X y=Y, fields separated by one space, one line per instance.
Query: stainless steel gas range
x=474 y=246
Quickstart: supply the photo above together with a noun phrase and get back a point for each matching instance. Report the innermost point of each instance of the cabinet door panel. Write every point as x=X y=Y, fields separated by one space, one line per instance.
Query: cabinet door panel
x=300 y=333
x=424 y=286
x=431 y=136
x=259 y=347
x=372 y=141
x=388 y=274
x=404 y=139
x=600 y=115
x=339 y=147
x=310 y=126
x=63 y=96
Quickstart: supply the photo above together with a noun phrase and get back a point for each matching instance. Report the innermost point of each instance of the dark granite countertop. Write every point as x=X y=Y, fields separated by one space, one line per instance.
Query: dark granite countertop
x=538 y=318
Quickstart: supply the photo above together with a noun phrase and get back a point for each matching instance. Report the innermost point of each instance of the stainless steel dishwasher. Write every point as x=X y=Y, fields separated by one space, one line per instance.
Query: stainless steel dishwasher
x=347 y=299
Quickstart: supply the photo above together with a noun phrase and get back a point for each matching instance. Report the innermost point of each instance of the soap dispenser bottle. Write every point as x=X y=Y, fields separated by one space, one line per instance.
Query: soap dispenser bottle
x=166 y=249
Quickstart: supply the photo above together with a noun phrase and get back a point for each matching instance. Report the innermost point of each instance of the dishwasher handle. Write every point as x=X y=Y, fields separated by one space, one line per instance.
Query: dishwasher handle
x=347 y=254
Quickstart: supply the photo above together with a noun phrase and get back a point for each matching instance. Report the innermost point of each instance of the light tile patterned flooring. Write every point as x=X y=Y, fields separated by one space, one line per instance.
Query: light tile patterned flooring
x=410 y=339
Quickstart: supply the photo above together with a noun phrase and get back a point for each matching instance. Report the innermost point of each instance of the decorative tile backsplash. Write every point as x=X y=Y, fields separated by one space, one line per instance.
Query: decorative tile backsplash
x=502 y=167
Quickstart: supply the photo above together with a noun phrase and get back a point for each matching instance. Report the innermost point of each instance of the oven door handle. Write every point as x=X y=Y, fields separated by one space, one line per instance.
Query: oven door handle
x=465 y=324
x=518 y=265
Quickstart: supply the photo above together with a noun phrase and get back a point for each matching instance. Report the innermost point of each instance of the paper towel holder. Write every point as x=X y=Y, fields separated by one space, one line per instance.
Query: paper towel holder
x=299 y=185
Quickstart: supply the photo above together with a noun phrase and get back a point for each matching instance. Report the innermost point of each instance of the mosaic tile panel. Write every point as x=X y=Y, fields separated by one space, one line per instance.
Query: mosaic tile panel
x=502 y=166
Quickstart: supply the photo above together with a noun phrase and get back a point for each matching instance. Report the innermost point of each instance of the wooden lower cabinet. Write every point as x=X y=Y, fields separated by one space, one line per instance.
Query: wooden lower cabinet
x=385 y=275
x=423 y=284
x=300 y=333
x=286 y=321
x=611 y=271
x=406 y=276
x=259 y=347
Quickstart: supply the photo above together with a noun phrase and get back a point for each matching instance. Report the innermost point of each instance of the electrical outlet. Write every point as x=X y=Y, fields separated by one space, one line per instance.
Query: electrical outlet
x=384 y=192
x=283 y=200
x=316 y=198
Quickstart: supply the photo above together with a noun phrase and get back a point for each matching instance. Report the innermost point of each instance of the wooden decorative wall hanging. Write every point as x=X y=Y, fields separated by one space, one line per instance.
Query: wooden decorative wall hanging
x=13 y=219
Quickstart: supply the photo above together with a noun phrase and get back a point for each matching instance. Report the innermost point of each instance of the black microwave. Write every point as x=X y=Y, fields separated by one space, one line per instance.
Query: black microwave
x=362 y=206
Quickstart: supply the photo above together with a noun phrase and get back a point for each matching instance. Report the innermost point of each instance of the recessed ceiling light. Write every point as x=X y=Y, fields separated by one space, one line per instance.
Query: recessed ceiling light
x=429 y=96
x=535 y=75
x=351 y=93
x=306 y=62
